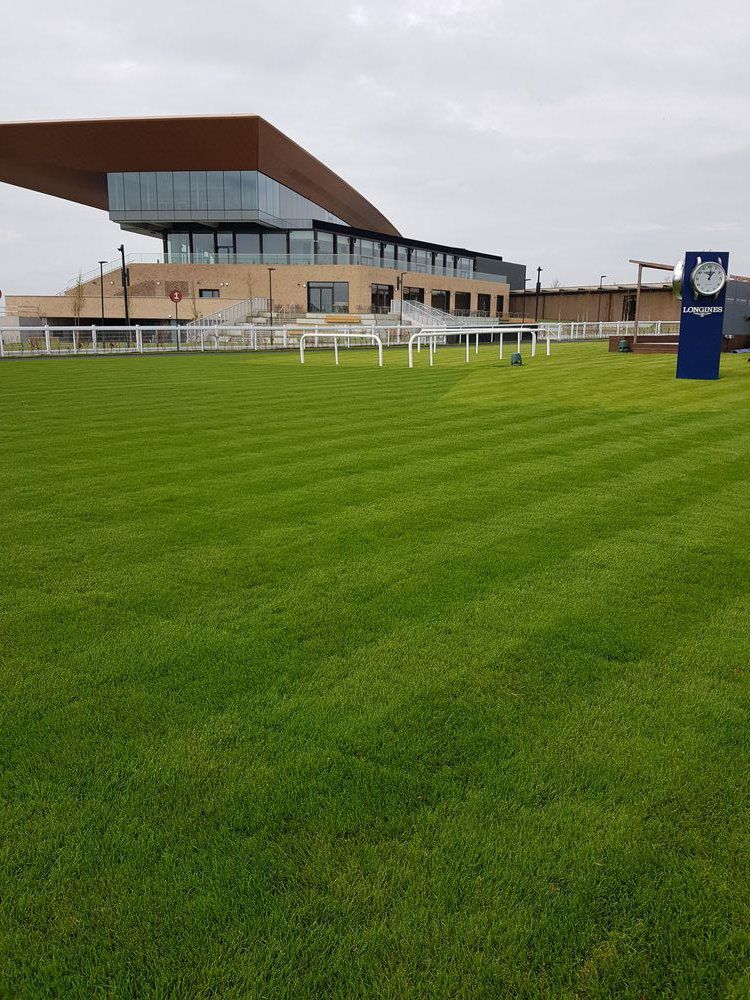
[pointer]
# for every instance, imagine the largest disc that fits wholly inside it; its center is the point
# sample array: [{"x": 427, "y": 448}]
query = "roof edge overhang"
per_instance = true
[{"x": 71, "y": 159}]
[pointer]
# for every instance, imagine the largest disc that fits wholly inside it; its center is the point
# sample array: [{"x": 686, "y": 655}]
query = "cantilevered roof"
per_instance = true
[{"x": 71, "y": 159}]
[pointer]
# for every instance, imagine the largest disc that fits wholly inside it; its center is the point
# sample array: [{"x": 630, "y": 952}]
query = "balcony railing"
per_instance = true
[{"x": 292, "y": 259}]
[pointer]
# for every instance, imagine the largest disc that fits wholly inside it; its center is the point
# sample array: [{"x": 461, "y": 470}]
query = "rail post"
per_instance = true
[
  {"x": 336, "y": 350},
  {"x": 47, "y": 342},
  {"x": 2, "y": 345},
  {"x": 93, "y": 339},
  {"x": 139, "y": 339}
]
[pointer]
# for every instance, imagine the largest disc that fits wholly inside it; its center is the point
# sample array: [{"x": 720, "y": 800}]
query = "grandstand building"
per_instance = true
[{"x": 248, "y": 224}]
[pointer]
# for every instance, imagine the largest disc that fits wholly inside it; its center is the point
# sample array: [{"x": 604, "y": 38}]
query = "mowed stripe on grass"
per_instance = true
[{"x": 382, "y": 683}]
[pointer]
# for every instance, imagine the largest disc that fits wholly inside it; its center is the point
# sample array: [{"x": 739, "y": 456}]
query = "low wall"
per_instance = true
[{"x": 668, "y": 345}]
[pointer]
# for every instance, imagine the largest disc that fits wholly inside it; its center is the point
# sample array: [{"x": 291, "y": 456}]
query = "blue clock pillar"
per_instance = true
[{"x": 701, "y": 321}]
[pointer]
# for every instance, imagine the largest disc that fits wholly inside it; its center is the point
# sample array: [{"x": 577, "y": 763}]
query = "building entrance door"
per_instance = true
[
  {"x": 320, "y": 298},
  {"x": 382, "y": 295}
]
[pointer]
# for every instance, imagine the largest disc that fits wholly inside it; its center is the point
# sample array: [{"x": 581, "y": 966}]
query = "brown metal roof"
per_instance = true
[{"x": 70, "y": 159}]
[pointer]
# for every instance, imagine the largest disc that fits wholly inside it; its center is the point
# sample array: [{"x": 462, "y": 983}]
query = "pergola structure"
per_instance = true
[{"x": 641, "y": 265}]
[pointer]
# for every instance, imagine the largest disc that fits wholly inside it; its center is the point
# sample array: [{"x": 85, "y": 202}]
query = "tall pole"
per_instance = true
[
  {"x": 101, "y": 283},
  {"x": 124, "y": 270},
  {"x": 538, "y": 292},
  {"x": 599, "y": 300},
  {"x": 637, "y": 317},
  {"x": 270, "y": 294},
  {"x": 401, "y": 277}
]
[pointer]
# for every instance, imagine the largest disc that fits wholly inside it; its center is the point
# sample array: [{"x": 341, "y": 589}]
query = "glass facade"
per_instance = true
[
  {"x": 216, "y": 195},
  {"x": 234, "y": 245}
]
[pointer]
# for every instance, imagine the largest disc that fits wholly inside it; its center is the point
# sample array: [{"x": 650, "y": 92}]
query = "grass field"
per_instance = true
[{"x": 375, "y": 683}]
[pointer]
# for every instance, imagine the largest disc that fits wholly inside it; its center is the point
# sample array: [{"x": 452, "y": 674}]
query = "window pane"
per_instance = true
[
  {"x": 215, "y": 187},
  {"x": 324, "y": 242},
  {"x": 164, "y": 192},
  {"x": 341, "y": 296},
  {"x": 248, "y": 243},
  {"x": 115, "y": 193},
  {"x": 178, "y": 247},
  {"x": 274, "y": 244},
  {"x": 198, "y": 191},
  {"x": 232, "y": 199},
  {"x": 249, "y": 181},
  {"x": 301, "y": 244},
  {"x": 181, "y": 181},
  {"x": 148, "y": 191},
  {"x": 132, "y": 186},
  {"x": 203, "y": 246}
]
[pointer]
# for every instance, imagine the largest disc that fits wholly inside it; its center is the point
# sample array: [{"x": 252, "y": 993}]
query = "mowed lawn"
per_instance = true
[{"x": 363, "y": 683}]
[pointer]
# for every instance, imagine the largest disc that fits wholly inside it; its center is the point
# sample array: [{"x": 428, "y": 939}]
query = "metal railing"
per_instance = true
[
  {"x": 63, "y": 341},
  {"x": 602, "y": 331}
]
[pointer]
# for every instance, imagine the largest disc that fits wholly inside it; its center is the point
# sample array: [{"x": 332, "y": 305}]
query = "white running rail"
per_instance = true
[
  {"x": 431, "y": 335},
  {"x": 335, "y": 336}
]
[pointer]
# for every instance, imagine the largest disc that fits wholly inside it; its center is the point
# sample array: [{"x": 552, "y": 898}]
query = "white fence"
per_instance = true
[
  {"x": 602, "y": 331},
  {"x": 28, "y": 341}
]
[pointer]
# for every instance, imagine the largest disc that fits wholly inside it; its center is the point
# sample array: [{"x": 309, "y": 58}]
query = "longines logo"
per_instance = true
[{"x": 702, "y": 310}]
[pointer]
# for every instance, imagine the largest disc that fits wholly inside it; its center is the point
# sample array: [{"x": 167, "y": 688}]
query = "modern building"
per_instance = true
[{"x": 245, "y": 218}]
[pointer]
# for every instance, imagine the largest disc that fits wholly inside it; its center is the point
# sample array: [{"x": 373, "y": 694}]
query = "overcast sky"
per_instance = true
[{"x": 567, "y": 135}]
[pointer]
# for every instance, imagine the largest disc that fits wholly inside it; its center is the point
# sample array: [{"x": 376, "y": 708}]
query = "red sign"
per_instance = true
[{"x": 176, "y": 295}]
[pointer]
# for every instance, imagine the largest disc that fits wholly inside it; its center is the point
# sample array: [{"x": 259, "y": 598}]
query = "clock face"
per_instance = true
[{"x": 708, "y": 278}]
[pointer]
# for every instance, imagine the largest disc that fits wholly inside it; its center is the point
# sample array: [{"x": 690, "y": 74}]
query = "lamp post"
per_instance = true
[
  {"x": 270, "y": 294},
  {"x": 599, "y": 302},
  {"x": 124, "y": 271},
  {"x": 401, "y": 277},
  {"x": 101, "y": 283},
  {"x": 538, "y": 292}
]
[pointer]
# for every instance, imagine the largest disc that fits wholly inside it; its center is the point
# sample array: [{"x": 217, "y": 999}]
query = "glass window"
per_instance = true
[
  {"x": 324, "y": 246},
  {"x": 225, "y": 245},
  {"x": 320, "y": 296},
  {"x": 421, "y": 260},
  {"x": 232, "y": 194},
  {"x": 164, "y": 192},
  {"x": 343, "y": 247},
  {"x": 462, "y": 303},
  {"x": 148, "y": 191},
  {"x": 370, "y": 251},
  {"x": 441, "y": 300},
  {"x": 464, "y": 266},
  {"x": 402, "y": 255},
  {"x": 215, "y": 189},
  {"x": 500, "y": 305},
  {"x": 198, "y": 191},
  {"x": 249, "y": 184},
  {"x": 438, "y": 260},
  {"x": 178, "y": 248},
  {"x": 381, "y": 297},
  {"x": 203, "y": 247},
  {"x": 132, "y": 187},
  {"x": 274, "y": 244},
  {"x": 301, "y": 245},
  {"x": 389, "y": 255},
  {"x": 115, "y": 193},
  {"x": 248, "y": 243},
  {"x": 341, "y": 296},
  {"x": 208, "y": 293},
  {"x": 181, "y": 181},
  {"x": 413, "y": 294},
  {"x": 483, "y": 304}
]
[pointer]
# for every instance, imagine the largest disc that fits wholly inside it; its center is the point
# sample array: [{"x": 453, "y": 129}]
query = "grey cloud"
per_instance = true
[{"x": 570, "y": 135}]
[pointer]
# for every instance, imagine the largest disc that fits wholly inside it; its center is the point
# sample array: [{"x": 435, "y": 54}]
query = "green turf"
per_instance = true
[{"x": 353, "y": 682}]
